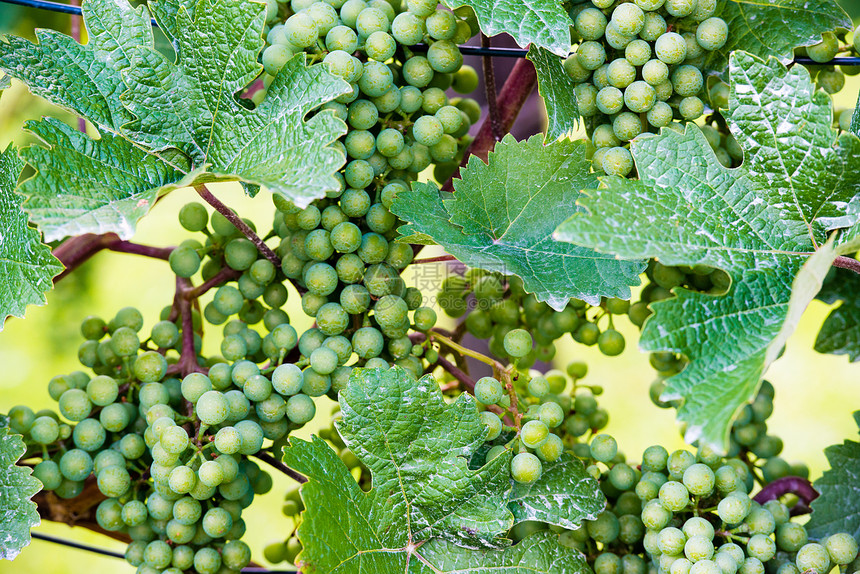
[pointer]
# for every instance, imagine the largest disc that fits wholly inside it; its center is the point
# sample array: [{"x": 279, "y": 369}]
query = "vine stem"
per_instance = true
[
  {"x": 490, "y": 88},
  {"x": 237, "y": 222},
  {"x": 187, "y": 363},
  {"x": 847, "y": 263},
  {"x": 275, "y": 463},
  {"x": 458, "y": 374},
  {"x": 513, "y": 95},
  {"x": 439, "y": 259},
  {"x": 75, "y": 251},
  {"x": 789, "y": 484}
]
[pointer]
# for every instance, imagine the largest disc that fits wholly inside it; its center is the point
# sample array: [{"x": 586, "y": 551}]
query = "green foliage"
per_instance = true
[
  {"x": 502, "y": 215},
  {"x": 26, "y": 264},
  {"x": 836, "y": 509},
  {"x": 556, "y": 88},
  {"x": 426, "y": 507},
  {"x": 17, "y": 512},
  {"x": 758, "y": 223},
  {"x": 775, "y": 28},
  {"x": 543, "y": 23},
  {"x": 166, "y": 124},
  {"x": 840, "y": 333}
]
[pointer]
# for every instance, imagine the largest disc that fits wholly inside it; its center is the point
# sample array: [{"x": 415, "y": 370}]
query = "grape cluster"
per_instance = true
[
  {"x": 638, "y": 68},
  {"x": 685, "y": 512},
  {"x": 400, "y": 119},
  {"x": 497, "y": 304},
  {"x": 170, "y": 455}
]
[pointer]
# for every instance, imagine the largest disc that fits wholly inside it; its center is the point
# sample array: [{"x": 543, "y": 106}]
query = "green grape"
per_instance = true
[
  {"x": 551, "y": 449},
  {"x": 637, "y": 52},
  {"x": 610, "y": 100},
  {"x": 377, "y": 78},
  {"x": 44, "y": 430},
  {"x": 518, "y": 343},
  {"x": 604, "y": 529},
  {"x": 591, "y": 55},
  {"x": 193, "y": 216},
  {"x": 444, "y": 57},
  {"x": 691, "y": 108},
  {"x": 300, "y": 30},
  {"x": 626, "y": 126},
  {"x": 628, "y": 19},
  {"x": 526, "y": 468},
  {"x": 488, "y": 390},
  {"x": 621, "y": 73},
  {"x": 616, "y": 161},
  {"x": 274, "y": 58},
  {"x": 825, "y": 50},
  {"x": 75, "y": 405},
  {"x": 672, "y": 541},
  {"x": 615, "y": 38},
  {"x": 687, "y": 80},
  {"x": 586, "y": 99},
  {"x": 590, "y": 24},
  {"x": 813, "y": 557},
  {"x": 493, "y": 424},
  {"x": 575, "y": 70},
  {"x": 603, "y": 448},
  {"x": 671, "y": 48},
  {"x": 417, "y": 71},
  {"x": 407, "y": 29},
  {"x": 465, "y": 80},
  {"x": 653, "y": 27},
  {"x": 300, "y": 409}
]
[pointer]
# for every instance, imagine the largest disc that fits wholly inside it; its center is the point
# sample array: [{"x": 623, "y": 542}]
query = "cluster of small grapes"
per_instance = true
[
  {"x": 400, "y": 119},
  {"x": 638, "y": 68},
  {"x": 830, "y": 78},
  {"x": 170, "y": 455},
  {"x": 552, "y": 420},
  {"x": 684, "y": 513},
  {"x": 497, "y": 304}
]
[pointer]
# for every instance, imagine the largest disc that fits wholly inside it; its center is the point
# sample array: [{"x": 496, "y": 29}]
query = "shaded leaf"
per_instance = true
[
  {"x": 564, "y": 495},
  {"x": 557, "y": 90},
  {"x": 17, "y": 486},
  {"x": 543, "y": 23},
  {"x": 502, "y": 216},
  {"x": 838, "y": 507},
  {"x": 774, "y": 27},
  {"x": 840, "y": 333},
  {"x": 758, "y": 222},
  {"x": 26, "y": 264}
]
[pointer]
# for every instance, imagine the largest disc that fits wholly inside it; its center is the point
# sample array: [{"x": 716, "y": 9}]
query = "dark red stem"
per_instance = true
[
  {"x": 187, "y": 363},
  {"x": 75, "y": 251},
  {"x": 789, "y": 485},
  {"x": 513, "y": 95},
  {"x": 455, "y": 371},
  {"x": 847, "y": 263},
  {"x": 237, "y": 222},
  {"x": 490, "y": 89},
  {"x": 226, "y": 274}
]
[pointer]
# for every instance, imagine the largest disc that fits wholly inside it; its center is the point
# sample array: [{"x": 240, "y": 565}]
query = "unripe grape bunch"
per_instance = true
[{"x": 640, "y": 67}]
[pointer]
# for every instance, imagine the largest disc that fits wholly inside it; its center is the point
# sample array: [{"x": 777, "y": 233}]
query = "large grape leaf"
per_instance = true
[
  {"x": 556, "y": 88},
  {"x": 26, "y": 264},
  {"x": 502, "y": 216},
  {"x": 345, "y": 530},
  {"x": 838, "y": 507},
  {"x": 418, "y": 446},
  {"x": 543, "y": 23},
  {"x": 167, "y": 124},
  {"x": 774, "y": 27},
  {"x": 17, "y": 486},
  {"x": 759, "y": 223},
  {"x": 427, "y": 510},
  {"x": 563, "y": 495},
  {"x": 840, "y": 333}
]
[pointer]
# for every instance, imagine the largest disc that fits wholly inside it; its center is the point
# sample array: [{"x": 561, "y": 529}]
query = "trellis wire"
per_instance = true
[
  {"x": 466, "y": 50},
  {"x": 112, "y": 554}
]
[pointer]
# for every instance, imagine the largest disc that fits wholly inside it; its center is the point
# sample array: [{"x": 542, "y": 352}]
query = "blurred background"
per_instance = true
[{"x": 815, "y": 394}]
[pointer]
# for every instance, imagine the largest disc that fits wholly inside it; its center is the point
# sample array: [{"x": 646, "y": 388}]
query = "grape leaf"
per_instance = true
[
  {"x": 427, "y": 511},
  {"x": 556, "y": 88},
  {"x": 417, "y": 445},
  {"x": 503, "y": 214},
  {"x": 564, "y": 495},
  {"x": 26, "y": 264},
  {"x": 774, "y": 28},
  {"x": 543, "y": 23},
  {"x": 167, "y": 124},
  {"x": 840, "y": 333},
  {"x": 344, "y": 529},
  {"x": 838, "y": 507},
  {"x": 758, "y": 222},
  {"x": 17, "y": 486}
]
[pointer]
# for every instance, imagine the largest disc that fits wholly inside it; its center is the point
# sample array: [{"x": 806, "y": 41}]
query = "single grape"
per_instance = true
[{"x": 526, "y": 468}]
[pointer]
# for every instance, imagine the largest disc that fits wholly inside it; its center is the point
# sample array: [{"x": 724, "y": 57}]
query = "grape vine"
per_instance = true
[{"x": 707, "y": 196}]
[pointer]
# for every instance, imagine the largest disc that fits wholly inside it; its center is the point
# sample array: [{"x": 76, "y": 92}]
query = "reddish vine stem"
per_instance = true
[
  {"x": 439, "y": 259},
  {"x": 490, "y": 89},
  {"x": 847, "y": 263},
  {"x": 75, "y": 251},
  {"x": 237, "y": 222},
  {"x": 464, "y": 379},
  {"x": 226, "y": 274},
  {"x": 275, "y": 463},
  {"x": 793, "y": 485},
  {"x": 187, "y": 363},
  {"x": 513, "y": 95}
]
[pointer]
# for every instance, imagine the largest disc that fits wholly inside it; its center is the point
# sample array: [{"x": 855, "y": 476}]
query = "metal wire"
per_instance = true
[
  {"x": 465, "y": 50},
  {"x": 112, "y": 554}
]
